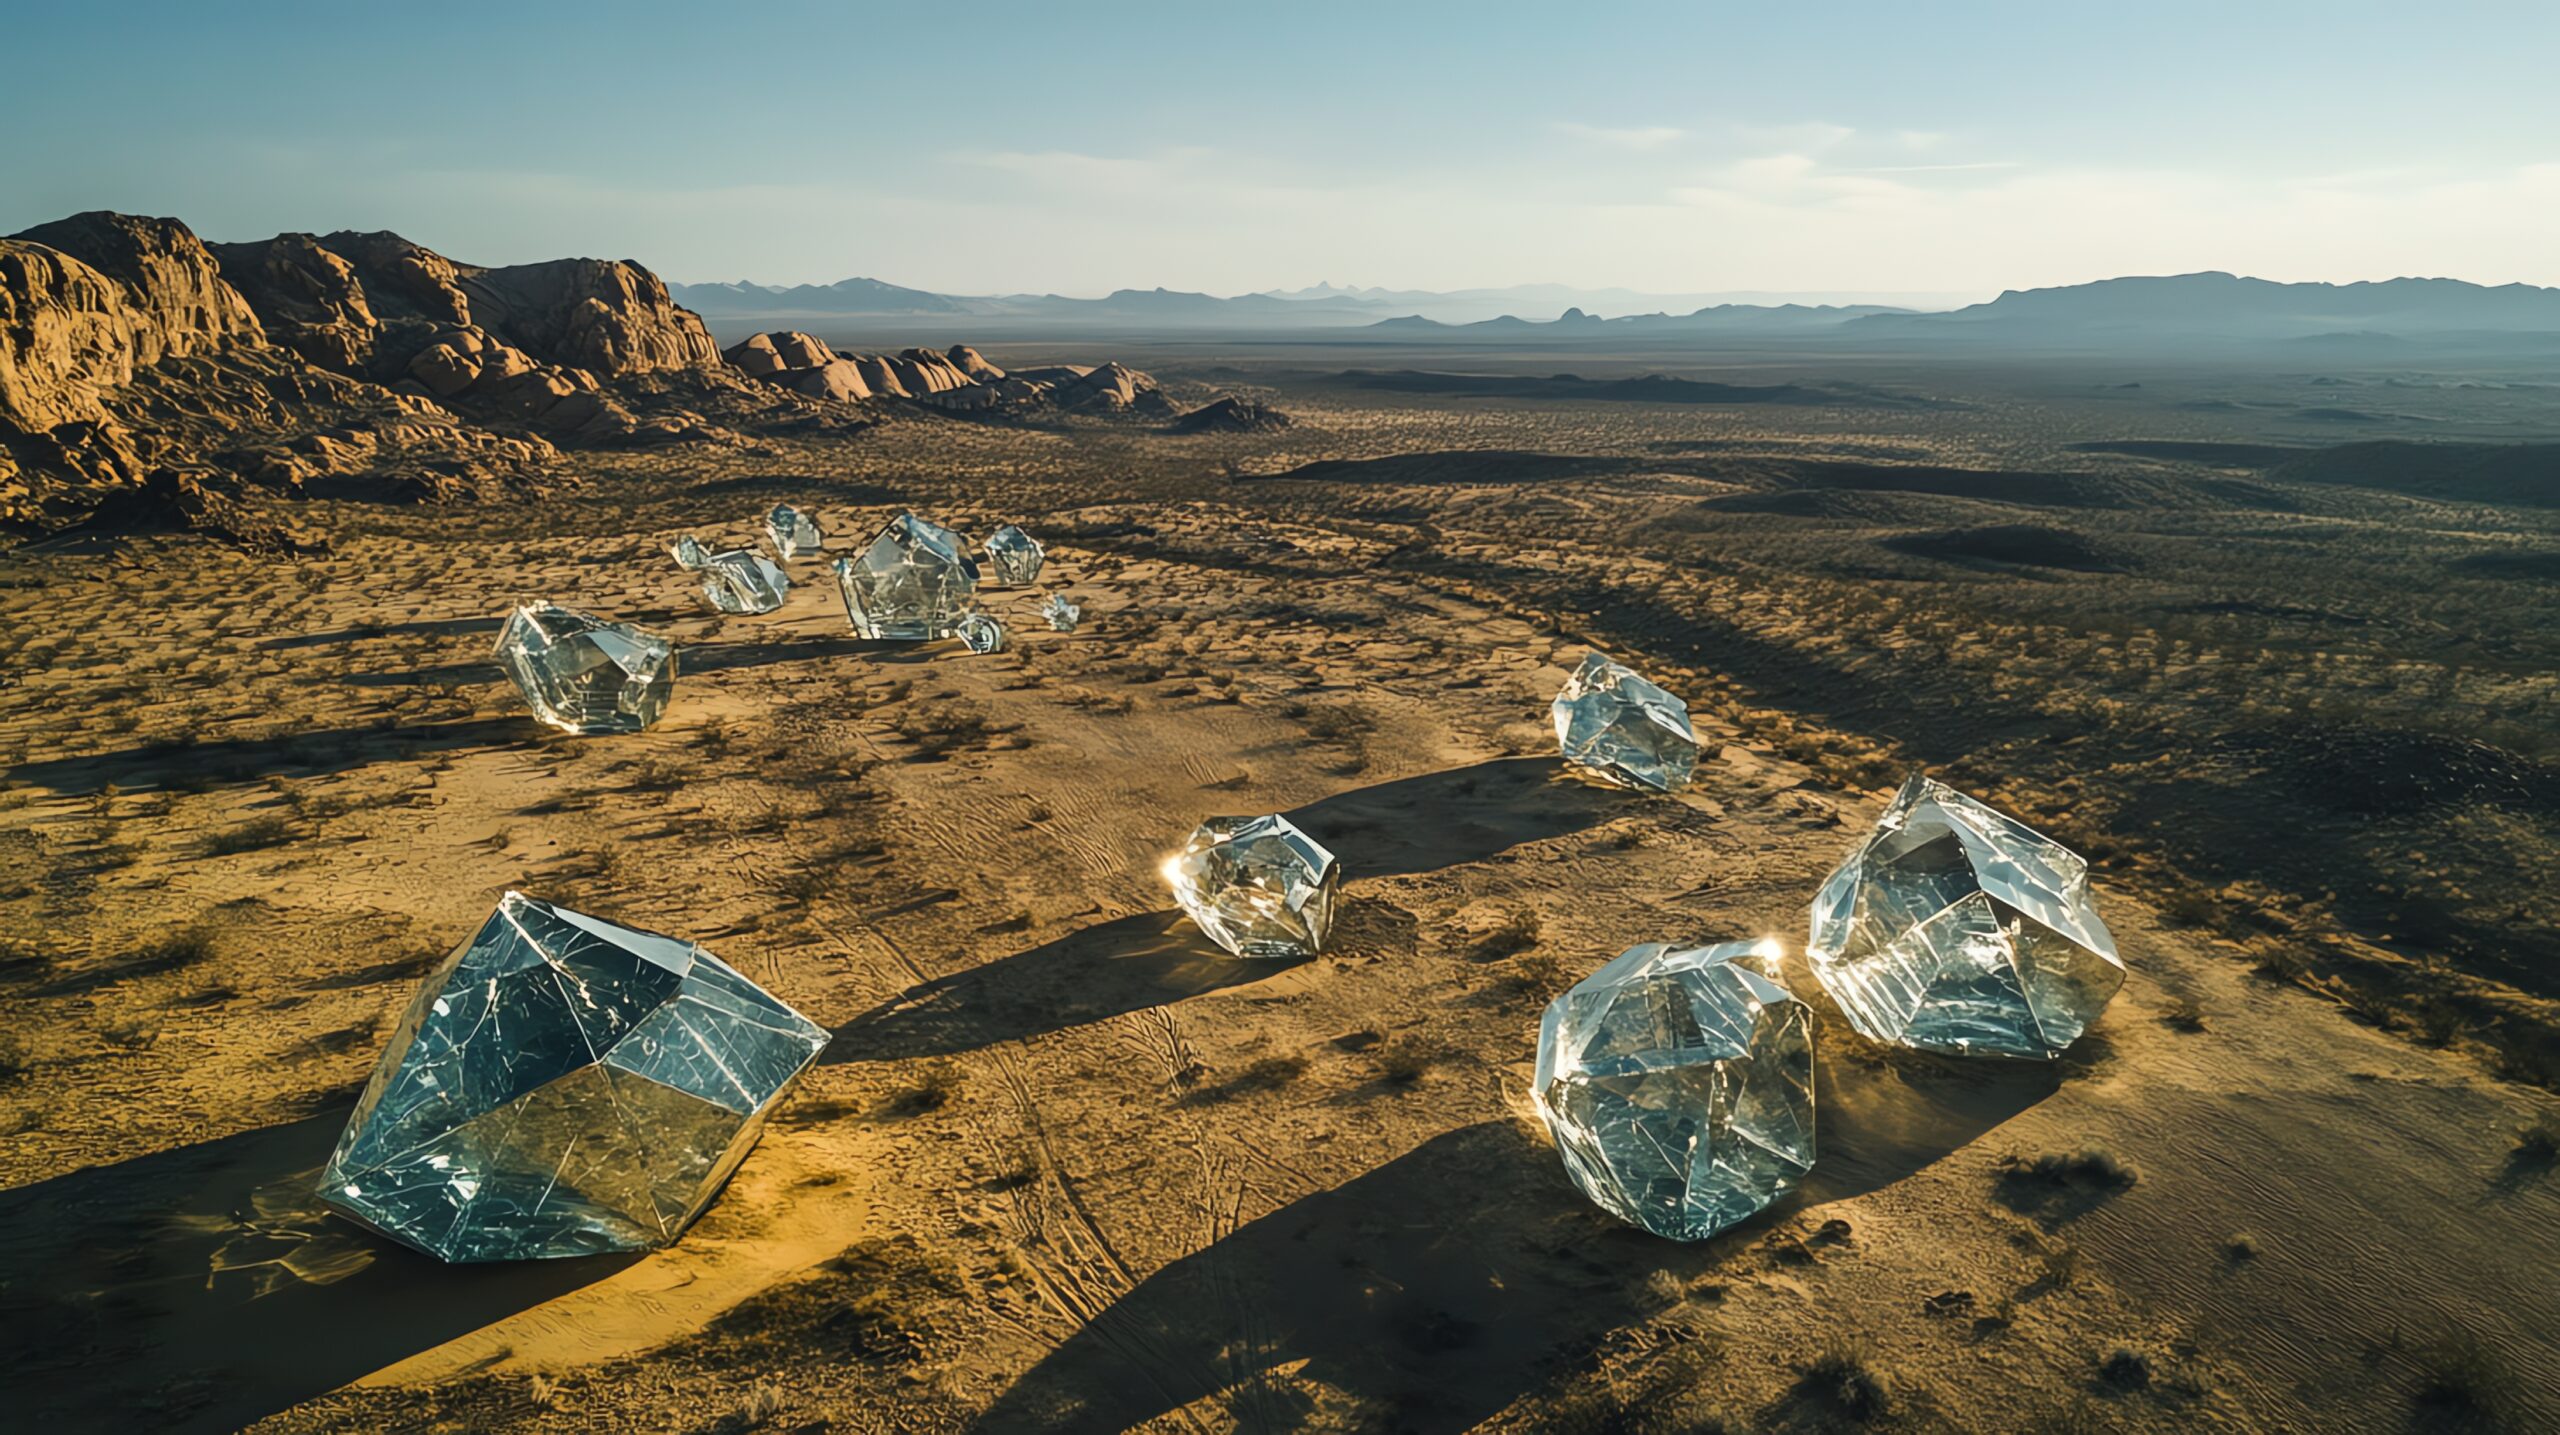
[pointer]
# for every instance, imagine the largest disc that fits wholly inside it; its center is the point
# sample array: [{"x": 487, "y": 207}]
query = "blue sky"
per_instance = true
[{"x": 1946, "y": 148}]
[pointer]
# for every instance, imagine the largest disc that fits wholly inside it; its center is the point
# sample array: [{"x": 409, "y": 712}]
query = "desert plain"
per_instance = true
[{"x": 2273, "y": 647}]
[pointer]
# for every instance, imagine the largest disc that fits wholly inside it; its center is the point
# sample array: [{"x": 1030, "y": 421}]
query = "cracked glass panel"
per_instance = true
[
  {"x": 794, "y": 533},
  {"x": 1257, "y": 885},
  {"x": 585, "y": 674},
  {"x": 743, "y": 581},
  {"x": 1015, "y": 556},
  {"x": 563, "y": 1086},
  {"x": 914, "y": 583},
  {"x": 1678, "y": 1084},
  {"x": 1955, "y": 928},
  {"x": 1622, "y": 729}
]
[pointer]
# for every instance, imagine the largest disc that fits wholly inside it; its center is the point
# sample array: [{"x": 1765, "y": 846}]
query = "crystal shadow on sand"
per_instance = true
[
  {"x": 203, "y": 1288},
  {"x": 1154, "y": 958},
  {"x": 240, "y": 762}
]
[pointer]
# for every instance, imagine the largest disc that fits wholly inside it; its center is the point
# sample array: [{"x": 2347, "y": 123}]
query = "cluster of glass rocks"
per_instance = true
[
  {"x": 564, "y": 1086},
  {"x": 918, "y": 581}
]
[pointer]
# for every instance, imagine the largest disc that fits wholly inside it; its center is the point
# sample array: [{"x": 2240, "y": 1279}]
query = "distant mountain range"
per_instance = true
[{"x": 2184, "y": 307}]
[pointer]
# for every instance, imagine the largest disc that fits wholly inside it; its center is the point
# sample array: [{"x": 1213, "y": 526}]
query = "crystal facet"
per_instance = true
[
  {"x": 1062, "y": 615},
  {"x": 1622, "y": 728},
  {"x": 562, "y": 1086},
  {"x": 1954, "y": 928},
  {"x": 1257, "y": 885},
  {"x": 689, "y": 552},
  {"x": 793, "y": 532},
  {"x": 915, "y": 582},
  {"x": 584, "y": 674},
  {"x": 743, "y": 581},
  {"x": 1678, "y": 1084},
  {"x": 1016, "y": 556},
  {"x": 983, "y": 634}
]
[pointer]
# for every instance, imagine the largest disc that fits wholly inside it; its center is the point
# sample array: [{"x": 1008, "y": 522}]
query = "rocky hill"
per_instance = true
[{"x": 957, "y": 380}]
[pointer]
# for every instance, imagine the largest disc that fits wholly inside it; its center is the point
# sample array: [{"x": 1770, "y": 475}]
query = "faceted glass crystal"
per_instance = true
[
  {"x": 1678, "y": 1084},
  {"x": 563, "y": 1086},
  {"x": 1954, "y": 928},
  {"x": 914, "y": 583},
  {"x": 793, "y": 532},
  {"x": 983, "y": 634},
  {"x": 584, "y": 674},
  {"x": 1016, "y": 556},
  {"x": 1062, "y": 615},
  {"x": 1617, "y": 726},
  {"x": 743, "y": 581},
  {"x": 1257, "y": 885},
  {"x": 689, "y": 552}
]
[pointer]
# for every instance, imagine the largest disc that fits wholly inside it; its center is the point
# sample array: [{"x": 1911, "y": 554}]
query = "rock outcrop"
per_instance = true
[
  {"x": 1231, "y": 415},
  {"x": 131, "y": 353},
  {"x": 960, "y": 379}
]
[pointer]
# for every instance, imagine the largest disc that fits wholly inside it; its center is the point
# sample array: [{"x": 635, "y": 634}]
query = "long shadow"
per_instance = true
[
  {"x": 1878, "y": 1121},
  {"x": 202, "y": 1289},
  {"x": 440, "y": 627},
  {"x": 715, "y": 657},
  {"x": 1125, "y": 965},
  {"x": 1465, "y": 814},
  {"x": 477, "y": 674},
  {"x": 1435, "y": 1289},
  {"x": 234, "y": 761}
]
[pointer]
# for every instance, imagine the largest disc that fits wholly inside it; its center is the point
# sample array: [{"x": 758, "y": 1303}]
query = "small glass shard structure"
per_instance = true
[
  {"x": 1954, "y": 928},
  {"x": 1016, "y": 556},
  {"x": 1678, "y": 1084},
  {"x": 1062, "y": 615},
  {"x": 584, "y": 674},
  {"x": 689, "y": 552},
  {"x": 1615, "y": 725},
  {"x": 563, "y": 1086},
  {"x": 982, "y": 633},
  {"x": 743, "y": 581},
  {"x": 793, "y": 533},
  {"x": 1257, "y": 885},
  {"x": 914, "y": 583}
]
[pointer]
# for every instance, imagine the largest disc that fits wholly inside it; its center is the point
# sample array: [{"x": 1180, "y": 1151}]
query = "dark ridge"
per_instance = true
[
  {"x": 2529, "y": 565},
  {"x": 1650, "y": 389},
  {"x": 2025, "y": 544},
  {"x": 2518, "y": 475},
  {"x": 1492, "y": 465},
  {"x": 2211, "y": 455}
]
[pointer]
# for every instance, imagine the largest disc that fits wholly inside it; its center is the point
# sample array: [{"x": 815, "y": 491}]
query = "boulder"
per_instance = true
[
  {"x": 611, "y": 316},
  {"x": 1231, "y": 415},
  {"x": 170, "y": 282},
  {"x": 969, "y": 361}
]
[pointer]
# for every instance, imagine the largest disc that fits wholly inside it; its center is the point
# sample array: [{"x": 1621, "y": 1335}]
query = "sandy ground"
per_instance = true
[{"x": 1066, "y": 1166}]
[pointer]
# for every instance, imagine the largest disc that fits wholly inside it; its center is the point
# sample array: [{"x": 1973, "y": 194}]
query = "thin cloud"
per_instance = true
[{"x": 1648, "y": 137}]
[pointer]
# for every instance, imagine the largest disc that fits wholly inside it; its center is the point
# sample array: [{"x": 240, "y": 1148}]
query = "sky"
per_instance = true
[{"x": 1847, "y": 149}]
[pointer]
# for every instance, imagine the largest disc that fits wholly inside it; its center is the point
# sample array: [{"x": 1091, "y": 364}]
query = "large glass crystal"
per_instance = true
[
  {"x": 585, "y": 674},
  {"x": 1617, "y": 726},
  {"x": 1016, "y": 556},
  {"x": 915, "y": 582},
  {"x": 1257, "y": 885},
  {"x": 563, "y": 1086},
  {"x": 982, "y": 633},
  {"x": 793, "y": 532},
  {"x": 743, "y": 581},
  {"x": 1062, "y": 615},
  {"x": 1954, "y": 928},
  {"x": 1678, "y": 1084}
]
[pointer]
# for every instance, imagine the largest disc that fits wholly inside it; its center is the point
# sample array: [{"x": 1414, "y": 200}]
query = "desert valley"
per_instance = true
[{"x": 2268, "y": 631}]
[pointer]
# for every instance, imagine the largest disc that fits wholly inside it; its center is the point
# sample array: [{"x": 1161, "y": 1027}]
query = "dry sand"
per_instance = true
[{"x": 1066, "y": 1166}]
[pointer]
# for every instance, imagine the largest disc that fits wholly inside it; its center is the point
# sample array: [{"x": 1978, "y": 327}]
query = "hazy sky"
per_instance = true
[{"x": 997, "y": 147}]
